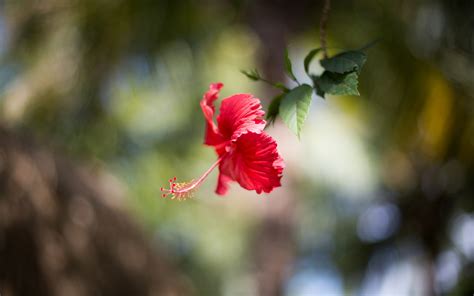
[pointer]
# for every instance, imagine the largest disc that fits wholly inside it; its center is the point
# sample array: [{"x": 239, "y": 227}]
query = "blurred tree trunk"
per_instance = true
[
  {"x": 275, "y": 245},
  {"x": 274, "y": 242},
  {"x": 63, "y": 232}
]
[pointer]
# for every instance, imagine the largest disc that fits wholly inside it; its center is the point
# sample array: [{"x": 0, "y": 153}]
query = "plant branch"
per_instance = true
[
  {"x": 275, "y": 84},
  {"x": 322, "y": 26}
]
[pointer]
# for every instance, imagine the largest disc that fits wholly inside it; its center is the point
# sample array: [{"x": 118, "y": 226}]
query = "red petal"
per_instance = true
[
  {"x": 222, "y": 186},
  {"x": 240, "y": 114},
  {"x": 212, "y": 136},
  {"x": 254, "y": 162}
]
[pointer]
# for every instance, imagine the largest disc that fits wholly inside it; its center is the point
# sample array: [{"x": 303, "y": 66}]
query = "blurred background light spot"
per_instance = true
[
  {"x": 448, "y": 266},
  {"x": 428, "y": 29},
  {"x": 151, "y": 103},
  {"x": 436, "y": 119},
  {"x": 463, "y": 234},
  {"x": 315, "y": 282},
  {"x": 398, "y": 172},
  {"x": 406, "y": 277},
  {"x": 378, "y": 264},
  {"x": 335, "y": 154},
  {"x": 396, "y": 271},
  {"x": 378, "y": 222}
]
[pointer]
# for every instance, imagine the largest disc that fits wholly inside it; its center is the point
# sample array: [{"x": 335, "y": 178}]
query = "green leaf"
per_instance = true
[
  {"x": 251, "y": 74},
  {"x": 309, "y": 57},
  {"x": 288, "y": 67},
  {"x": 294, "y": 107},
  {"x": 337, "y": 84},
  {"x": 317, "y": 87},
  {"x": 273, "y": 109},
  {"x": 345, "y": 62}
]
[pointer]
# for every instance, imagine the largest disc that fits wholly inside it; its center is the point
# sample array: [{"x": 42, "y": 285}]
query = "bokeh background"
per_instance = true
[{"x": 377, "y": 196}]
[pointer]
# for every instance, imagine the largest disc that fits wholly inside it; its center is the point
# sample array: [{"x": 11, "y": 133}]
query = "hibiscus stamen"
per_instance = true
[{"x": 184, "y": 190}]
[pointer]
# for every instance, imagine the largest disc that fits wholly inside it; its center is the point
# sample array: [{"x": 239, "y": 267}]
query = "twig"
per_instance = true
[{"x": 322, "y": 26}]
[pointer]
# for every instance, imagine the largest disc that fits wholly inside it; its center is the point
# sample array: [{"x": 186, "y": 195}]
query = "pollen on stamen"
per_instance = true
[{"x": 179, "y": 191}]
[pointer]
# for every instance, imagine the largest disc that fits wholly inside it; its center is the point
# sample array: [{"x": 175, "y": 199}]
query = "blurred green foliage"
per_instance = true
[{"x": 378, "y": 191}]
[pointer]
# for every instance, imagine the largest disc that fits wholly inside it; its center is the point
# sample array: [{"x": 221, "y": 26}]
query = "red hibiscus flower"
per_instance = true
[{"x": 246, "y": 154}]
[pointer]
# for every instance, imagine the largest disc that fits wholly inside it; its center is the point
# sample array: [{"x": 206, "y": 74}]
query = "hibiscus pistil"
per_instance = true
[{"x": 184, "y": 190}]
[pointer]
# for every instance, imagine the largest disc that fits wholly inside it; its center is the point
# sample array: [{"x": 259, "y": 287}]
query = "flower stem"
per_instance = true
[
  {"x": 204, "y": 176},
  {"x": 322, "y": 26}
]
